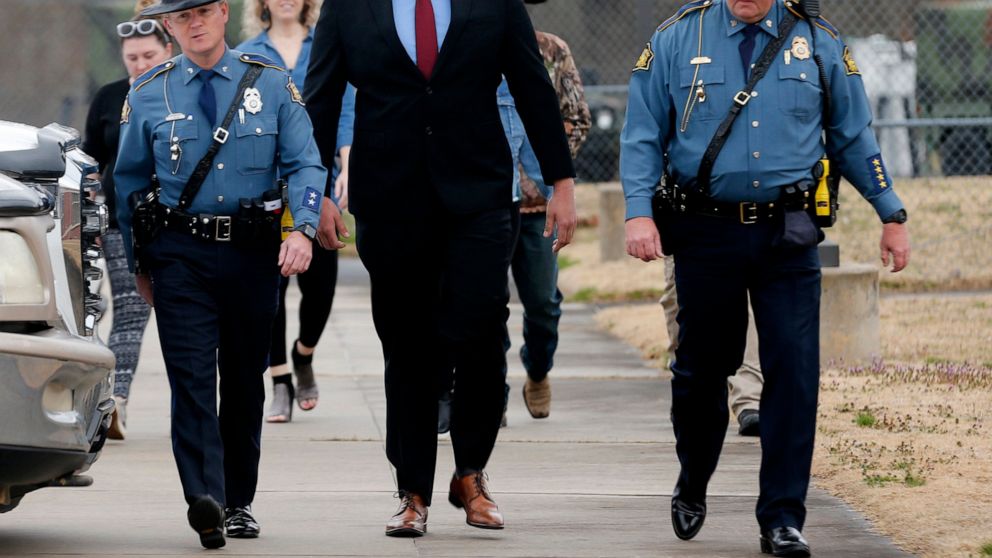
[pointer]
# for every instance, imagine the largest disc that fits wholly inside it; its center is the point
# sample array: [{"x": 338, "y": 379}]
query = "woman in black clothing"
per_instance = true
[{"x": 144, "y": 45}]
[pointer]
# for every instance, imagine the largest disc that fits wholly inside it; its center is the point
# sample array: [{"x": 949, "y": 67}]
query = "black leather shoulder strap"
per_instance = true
[
  {"x": 220, "y": 138},
  {"x": 741, "y": 100}
]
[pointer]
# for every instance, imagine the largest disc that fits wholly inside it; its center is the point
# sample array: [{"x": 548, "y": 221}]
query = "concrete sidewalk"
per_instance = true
[{"x": 593, "y": 480}]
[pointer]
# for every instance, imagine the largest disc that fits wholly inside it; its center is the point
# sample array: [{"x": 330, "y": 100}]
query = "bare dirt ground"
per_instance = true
[{"x": 906, "y": 440}]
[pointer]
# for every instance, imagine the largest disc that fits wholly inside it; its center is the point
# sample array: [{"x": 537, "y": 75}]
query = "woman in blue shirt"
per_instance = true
[{"x": 286, "y": 39}]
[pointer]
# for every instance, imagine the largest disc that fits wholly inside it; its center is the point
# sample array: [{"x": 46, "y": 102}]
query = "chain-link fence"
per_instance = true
[{"x": 927, "y": 66}]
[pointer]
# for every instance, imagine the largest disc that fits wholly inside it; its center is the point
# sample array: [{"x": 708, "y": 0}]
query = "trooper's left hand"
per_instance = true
[
  {"x": 295, "y": 254},
  {"x": 895, "y": 241},
  {"x": 561, "y": 213}
]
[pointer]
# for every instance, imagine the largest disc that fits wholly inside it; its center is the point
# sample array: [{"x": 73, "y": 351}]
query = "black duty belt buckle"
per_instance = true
[
  {"x": 222, "y": 228},
  {"x": 749, "y": 213}
]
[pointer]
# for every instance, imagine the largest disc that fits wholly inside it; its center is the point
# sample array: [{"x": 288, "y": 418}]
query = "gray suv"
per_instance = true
[{"x": 55, "y": 374}]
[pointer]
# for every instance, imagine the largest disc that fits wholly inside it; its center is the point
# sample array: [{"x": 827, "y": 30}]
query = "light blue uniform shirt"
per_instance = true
[
  {"x": 262, "y": 44},
  {"x": 277, "y": 140},
  {"x": 776, "y": 139},
  {"x": 404, "y": 16}
]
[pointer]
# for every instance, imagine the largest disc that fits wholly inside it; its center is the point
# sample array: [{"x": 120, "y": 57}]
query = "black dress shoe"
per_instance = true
[
  {"x": 750, "y": 423},
  {"x": 687, "y": 517},
  {"x": 206, "y": 517},
  {"x": 784, "y": 541}
]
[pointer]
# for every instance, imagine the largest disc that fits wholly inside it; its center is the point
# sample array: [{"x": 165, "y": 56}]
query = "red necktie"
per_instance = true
[{"x": 426, "y": 37}]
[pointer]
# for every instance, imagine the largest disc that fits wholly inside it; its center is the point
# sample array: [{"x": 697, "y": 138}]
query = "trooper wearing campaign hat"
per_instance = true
[{"x": 216, "y": 127}]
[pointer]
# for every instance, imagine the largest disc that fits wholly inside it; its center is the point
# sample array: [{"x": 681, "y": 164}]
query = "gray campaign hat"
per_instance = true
[{"x": 170, "y": 6}]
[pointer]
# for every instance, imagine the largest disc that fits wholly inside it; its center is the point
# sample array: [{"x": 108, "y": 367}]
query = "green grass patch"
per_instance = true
[
  {"x": 914, "y": 481},
  {"x": 865, "y": 419},
  {"x": 937, "y": 360},
  {"x": 986, "y": 549},
  {"x": 587, "y": 294},
  {"x": 877, "y": 481},
  {"x": 565, "y": 262}
]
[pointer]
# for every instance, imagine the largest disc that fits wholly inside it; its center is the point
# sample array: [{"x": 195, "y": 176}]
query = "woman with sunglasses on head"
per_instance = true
[
  {"x": 286, "y": 38},
  {"x": 144, "y": 45}
]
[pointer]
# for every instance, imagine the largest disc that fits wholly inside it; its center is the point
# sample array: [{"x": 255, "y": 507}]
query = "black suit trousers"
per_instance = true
[{"x": 439, "y": 303}]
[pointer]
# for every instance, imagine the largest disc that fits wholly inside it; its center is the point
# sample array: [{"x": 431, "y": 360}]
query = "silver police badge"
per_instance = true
[
  {"x": 253, "y": 100},
  {"x": 800, "y": 48}
]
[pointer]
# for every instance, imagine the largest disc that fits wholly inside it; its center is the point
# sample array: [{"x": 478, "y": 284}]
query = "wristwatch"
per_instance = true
[
  {"x": 898, "y": 217},
  {"x": 307, "y": 230}
]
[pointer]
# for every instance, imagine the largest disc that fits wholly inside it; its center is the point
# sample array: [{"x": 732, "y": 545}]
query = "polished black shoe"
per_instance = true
[
  {"x": 687, "y": 517},
  {"x": 206, "y": 517},
  {"x": 784, "y": 541},
  {"x": 750, "y": 423},
  {"x": 241, "y": 524}
]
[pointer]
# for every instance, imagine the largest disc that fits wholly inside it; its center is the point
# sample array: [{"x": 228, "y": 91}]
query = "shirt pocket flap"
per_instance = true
[
  {"x": 258, "y": 126},
  {"x": 799, "y": 72},
  {"x": 708, "y": 74}
]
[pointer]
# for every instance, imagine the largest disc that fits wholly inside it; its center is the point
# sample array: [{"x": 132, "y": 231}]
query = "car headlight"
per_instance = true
[
  {"x": 605, "y": 119},
  {"x": 20, "y": 279}
]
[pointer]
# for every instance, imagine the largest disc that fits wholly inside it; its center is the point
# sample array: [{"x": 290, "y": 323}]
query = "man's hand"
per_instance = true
[
  {"x": 331, "y": 227},
  {"x": 561, "y": 214},
  {"x": 144, "y": 283},
  {"x": 295, "y": 254},
  {"x": 643, "y": 240},
  {"x": 895, "y": 241}
]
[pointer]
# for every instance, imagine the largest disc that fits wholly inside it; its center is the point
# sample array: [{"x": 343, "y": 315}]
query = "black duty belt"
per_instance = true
[
  {"x": 747, "y": 213},
  {"x": 218, "y": 228}
]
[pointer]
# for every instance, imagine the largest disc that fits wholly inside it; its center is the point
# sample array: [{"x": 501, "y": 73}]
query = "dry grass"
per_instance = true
[
  {"x": 907, "y": 442},
  {"x": 950, "y": 224}
]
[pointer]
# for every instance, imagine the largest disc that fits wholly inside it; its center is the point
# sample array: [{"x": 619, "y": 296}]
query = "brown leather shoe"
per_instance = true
[
  {"x": 410, "y": 520},
  {"x": 470, "y": 492},
  {"x": 537, "y": 398}
]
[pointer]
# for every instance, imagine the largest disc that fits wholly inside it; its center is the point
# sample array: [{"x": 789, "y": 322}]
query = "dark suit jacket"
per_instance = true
[{"x": 414, "y": 134}]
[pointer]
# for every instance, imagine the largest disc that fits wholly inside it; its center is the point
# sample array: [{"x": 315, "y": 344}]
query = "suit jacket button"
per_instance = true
[
  {"x": 429, "y": 91},
  {"x": 429, "y": 131}
]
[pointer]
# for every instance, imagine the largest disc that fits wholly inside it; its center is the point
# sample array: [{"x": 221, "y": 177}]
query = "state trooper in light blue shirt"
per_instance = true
[
  {"x": 212, "y": 269},
  {"x": 745, "y": 236}
]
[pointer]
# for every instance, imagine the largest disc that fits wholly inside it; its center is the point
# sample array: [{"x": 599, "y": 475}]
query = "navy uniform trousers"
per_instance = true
[
  {"x": 214, "y": 304},
  {"x": 718, "y": 262}
]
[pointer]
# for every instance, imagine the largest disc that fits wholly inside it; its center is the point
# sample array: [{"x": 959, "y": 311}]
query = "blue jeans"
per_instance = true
[{"x": 535, "y": 272}]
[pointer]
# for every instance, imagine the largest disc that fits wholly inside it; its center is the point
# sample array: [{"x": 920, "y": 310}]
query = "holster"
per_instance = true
[
  {"x": 146, "y": 223},
  {"x": 663, "y": 212}
]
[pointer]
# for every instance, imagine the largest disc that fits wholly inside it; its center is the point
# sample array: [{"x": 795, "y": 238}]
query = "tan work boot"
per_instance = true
[{"x": 537, "y": 398}]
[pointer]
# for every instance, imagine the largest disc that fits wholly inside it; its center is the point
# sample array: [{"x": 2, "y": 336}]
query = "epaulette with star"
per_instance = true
[
  {"x": 260, "y": 60},
  {"x": 147, "y": 77}
]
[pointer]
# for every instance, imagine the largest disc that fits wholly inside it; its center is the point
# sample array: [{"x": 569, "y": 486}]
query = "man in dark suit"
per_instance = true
[{"x": 430, "y": 189}]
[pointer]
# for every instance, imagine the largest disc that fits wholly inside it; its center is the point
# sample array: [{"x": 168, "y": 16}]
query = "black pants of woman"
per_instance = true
[{"x": 317, "y": 285}]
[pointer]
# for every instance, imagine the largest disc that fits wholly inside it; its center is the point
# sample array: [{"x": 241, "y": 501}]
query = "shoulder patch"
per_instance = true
[
  {"x": 644, "y": 62},
  {"x": 145, "y": 78},
  {"x": 260, "y": 60},
  {"x": 685, "y": 10},
  {"x": 849, "y": 64},
  {"x": 126, "y": 110},
  {"x": 294, "y": 93}
]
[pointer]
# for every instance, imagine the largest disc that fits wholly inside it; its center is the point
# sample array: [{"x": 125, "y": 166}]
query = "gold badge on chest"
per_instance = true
[{"x": 800, "y": 48}]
